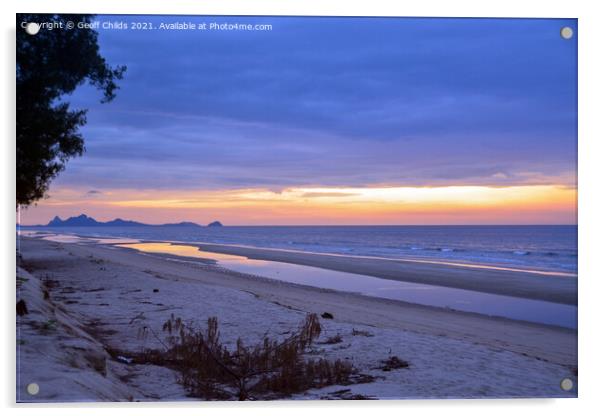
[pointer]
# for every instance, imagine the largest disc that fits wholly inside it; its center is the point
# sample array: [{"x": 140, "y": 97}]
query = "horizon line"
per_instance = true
[
  {"x": 344, "y": 225},
  {"x": 576, "y": 223}
]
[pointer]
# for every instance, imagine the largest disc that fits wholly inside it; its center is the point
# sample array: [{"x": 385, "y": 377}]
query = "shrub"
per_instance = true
[
  {"x": 271, "y": 368},
  {"x": 22, "y": 308}
]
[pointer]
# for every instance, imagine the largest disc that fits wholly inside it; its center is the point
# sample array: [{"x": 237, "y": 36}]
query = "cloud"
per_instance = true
[
  {"x": 326, "y": 194},
  {"x": 93, "y": 192},
  {"x": 334, "y": 102}
]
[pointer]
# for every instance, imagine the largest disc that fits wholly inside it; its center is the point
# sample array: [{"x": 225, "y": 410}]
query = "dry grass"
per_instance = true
[
  {"x": 393, "y": 363},
  {"x": 268, "y": 369}
]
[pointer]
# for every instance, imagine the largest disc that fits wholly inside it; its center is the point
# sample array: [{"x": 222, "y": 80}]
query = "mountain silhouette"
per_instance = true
[{"x": 84, "y": 221}]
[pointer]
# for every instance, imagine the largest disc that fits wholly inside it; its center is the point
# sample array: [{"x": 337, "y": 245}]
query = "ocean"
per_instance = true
[{"x": 539, "y": 247}]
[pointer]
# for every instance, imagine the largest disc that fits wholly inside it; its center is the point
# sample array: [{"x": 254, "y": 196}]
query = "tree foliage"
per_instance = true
[{"x": 51, "y": 65}]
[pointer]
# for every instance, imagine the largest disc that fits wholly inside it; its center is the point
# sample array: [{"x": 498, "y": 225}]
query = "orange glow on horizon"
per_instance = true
[{"x": 530, "y": 204}]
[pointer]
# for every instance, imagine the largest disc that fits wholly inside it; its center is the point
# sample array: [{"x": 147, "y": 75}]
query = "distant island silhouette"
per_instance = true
[{"x": 85, "y": 221}]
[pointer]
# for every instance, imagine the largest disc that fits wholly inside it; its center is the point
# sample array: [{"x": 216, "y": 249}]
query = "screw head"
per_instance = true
[
  {"x": 566, "y": 32},
  {"x": 566, "y": 384},
  {"x": 32, "y": 28},
  {"x": 33, "y": 389}
]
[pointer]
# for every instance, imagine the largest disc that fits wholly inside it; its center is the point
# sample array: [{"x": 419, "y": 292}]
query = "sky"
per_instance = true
[{"x": 330, "y": 121}]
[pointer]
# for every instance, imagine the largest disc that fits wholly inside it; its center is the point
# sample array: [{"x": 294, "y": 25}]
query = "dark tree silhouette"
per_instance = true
[{"x": 50, "y": 65}]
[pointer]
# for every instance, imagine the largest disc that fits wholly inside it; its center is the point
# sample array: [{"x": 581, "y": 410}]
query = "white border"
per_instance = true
[
  {"x": 590, "y": 189},
  {"x": 460, "y": 8}
]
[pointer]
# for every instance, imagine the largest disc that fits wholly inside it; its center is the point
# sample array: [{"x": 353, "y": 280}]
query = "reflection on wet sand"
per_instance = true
[{"x": 439, "y": 296}]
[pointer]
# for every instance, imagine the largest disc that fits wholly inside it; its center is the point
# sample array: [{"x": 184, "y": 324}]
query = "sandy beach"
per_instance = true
[{"x": 100, "y": 296}]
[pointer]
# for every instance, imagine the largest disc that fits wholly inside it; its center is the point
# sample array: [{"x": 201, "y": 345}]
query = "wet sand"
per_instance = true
[{"x": 559, "y": 289}]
